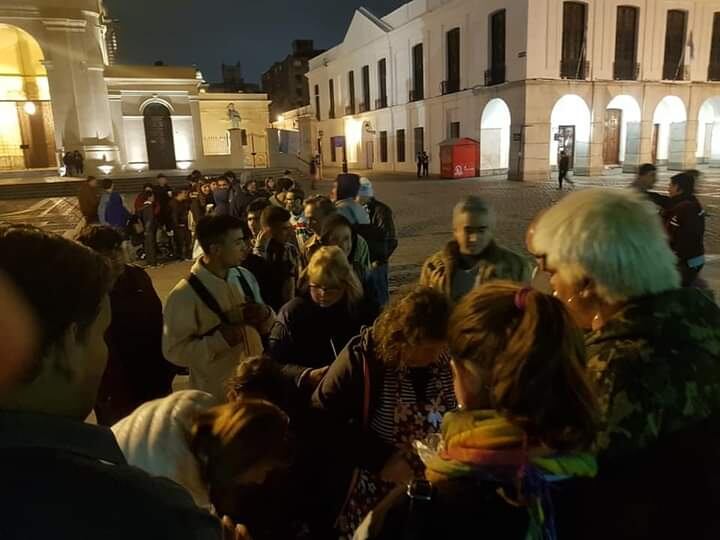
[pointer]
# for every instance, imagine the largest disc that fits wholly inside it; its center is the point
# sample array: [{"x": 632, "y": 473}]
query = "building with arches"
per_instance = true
[
  {"x": 61, "y": 92},
  {"x": 614, "y": 83}
]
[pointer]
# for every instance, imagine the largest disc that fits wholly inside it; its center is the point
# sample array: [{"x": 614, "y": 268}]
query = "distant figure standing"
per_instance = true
[
  {"x": 563, "y": 168},
  {"x": 111, "y": 210},
  {"x": 425, "y": 164},
  {"x": 89, "y": 199},
  {"x": 79, "y": 163},
  {"x": 419, "y": 162},
  {"x": 68, "y": 161}
]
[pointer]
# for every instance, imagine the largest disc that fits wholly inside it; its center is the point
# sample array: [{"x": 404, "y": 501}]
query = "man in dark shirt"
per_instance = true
[
  {"x": 62, "y": 478},
  {"x": 179, "y": 215}
]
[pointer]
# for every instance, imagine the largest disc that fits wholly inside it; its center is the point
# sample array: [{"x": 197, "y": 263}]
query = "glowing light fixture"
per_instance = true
[
  {"x": 30, "y": 108},
  {"x": 105, "y": 169},
  {"x": 184, "y": 165},
  {"x": 280, "y": 118}
]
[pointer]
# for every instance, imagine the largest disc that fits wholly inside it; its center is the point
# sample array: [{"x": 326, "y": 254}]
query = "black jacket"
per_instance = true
[
  {"x": 685, "y": 224},
  {"x": 381, "y": 217},
  {"x": 309, "y": 336}
]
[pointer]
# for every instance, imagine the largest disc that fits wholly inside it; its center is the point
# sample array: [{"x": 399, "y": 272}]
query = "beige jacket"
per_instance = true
[
  {"x": 497, "y": 263},
  {"x": 191, "y": 335}
]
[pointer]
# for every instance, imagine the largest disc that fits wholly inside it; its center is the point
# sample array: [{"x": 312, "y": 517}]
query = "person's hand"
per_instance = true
[
  {"x": 262, "y": 240},
  {"x": 254, "y": 314},
  {"x": 315, "y": 376},
  {"x": 397, "y": 470},
  {"x": 233, "y": 531}
]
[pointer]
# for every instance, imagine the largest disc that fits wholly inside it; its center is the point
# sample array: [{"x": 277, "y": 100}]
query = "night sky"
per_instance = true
[{"x": 209, "y": 32}]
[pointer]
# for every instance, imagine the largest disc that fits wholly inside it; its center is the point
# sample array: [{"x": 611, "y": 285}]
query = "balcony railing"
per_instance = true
[
  {"x": 676, "y": 73},
  {"x": 349, "y": 110},
  {"x": 331, "y": 114},
  {"x": 714, "y": 72},
  {"x": 381, "y": 103},
  {"x": 362, "y": 107},
  {"x": 450, "y": 86},
  {"x": 495, "y": 75},
  {"x": 416, "y": 95},
  {"x": 574, "y": 69},
  {"x": 626, "y": 71}
]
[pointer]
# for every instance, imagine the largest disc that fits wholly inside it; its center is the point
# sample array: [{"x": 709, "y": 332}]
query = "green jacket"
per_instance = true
[{"x": 657, "y": 366}]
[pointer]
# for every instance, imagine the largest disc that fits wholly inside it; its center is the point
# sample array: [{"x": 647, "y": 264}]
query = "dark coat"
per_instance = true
[
  {"x": 381, "y": 217},
  {"x": 685, "y": 224},
  {"x": 116, "y": 214},
  {"x": 179, "y": 211},
  {"x": 137, "y": 370},
  {"x": 88, "y": 199},
  {"x": 309, "y": 336},
  {"x": 239, "y": 201}
]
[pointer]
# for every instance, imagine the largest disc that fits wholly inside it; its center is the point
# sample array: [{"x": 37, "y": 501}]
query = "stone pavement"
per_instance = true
[{"x": 423, "y": 210}]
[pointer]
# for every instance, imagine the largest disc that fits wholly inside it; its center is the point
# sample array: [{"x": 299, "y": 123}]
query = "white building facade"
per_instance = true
[
  {"x": 614, "y": 83},
  {"x": 59, "y": 93}
]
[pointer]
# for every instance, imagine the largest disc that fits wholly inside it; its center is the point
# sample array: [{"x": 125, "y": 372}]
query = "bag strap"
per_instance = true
[
  {"x": 246, "y": 288},
  {"x": 207, "y": 297}
]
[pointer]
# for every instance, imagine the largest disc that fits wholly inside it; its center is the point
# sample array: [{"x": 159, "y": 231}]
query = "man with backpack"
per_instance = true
[{"x": 216, "y": 318}]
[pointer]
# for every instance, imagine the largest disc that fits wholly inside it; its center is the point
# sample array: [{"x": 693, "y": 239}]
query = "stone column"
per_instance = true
[
  {"x": 237, "y": 152},
  {"x": 596, "y": 162}
]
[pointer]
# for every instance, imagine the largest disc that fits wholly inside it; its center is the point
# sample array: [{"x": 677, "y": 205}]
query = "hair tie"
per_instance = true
[{"x": 521, "y": 298}]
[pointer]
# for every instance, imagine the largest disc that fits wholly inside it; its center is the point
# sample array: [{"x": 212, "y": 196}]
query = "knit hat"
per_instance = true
[
  {"x": 366, "y": 188},
  {"x": 348, "y": 186}
]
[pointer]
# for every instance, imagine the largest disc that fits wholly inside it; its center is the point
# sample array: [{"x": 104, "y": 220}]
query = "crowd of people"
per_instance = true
[
  {"x": 573, "y": 393},
  {"x": 74, "y": 163}
]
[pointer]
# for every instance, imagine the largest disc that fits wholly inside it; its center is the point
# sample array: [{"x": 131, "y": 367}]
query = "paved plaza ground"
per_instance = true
[{"x": 423, "y": 210}]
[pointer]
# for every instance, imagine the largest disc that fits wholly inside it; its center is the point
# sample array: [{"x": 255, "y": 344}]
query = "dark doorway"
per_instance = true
[
  {"x": 418, "y": 83},
  {"x": 159, "y": 137},
  {"x": 714, "y": 67},
  {"x": 674, "y": 69},
  {"x": 654, "y": 143},
  {"x": 626, "y": 68},
  {"x": 572, "y": 65},
  {"x": 611, "y": 147},
  {"x": 496, "y": 73},
  {"x": 566, "y": 143}
]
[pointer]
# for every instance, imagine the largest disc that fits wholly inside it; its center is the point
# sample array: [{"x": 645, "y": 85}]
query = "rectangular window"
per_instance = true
[
  {"x": 331, "y": 87},
  {"x": 452, "y": 84},
  {"x": 626, "y": 41},
  {"x": 496, "y": 73},
  {"x": 400, "y": 140},
  {"x": 351, "y": 93},
  {"x": 243, "y": 137},
  {"x": 455, "y": 130},
  {"x": 365, "y": 105},
  {"x": 574, "y": 42},
  {"x": 419, "y": 140},
  {"x": 418, "y": 83},
  {"x": 674, "y": 68},
  {"x": 317, "y": 102},
  {"x": 714, "y": 69},
  {"x": 382, "y": 101},
  {"x": 383, "y": 147},
  {"x": 333, "y": 149}
]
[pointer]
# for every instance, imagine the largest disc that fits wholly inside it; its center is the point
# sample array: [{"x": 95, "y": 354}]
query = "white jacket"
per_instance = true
[
  {"x": 191, "y": 337},
  {"x": 155, "y": 438}
]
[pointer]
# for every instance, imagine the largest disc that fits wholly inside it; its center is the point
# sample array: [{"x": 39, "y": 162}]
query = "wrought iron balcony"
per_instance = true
[
  {"x": 676, "y": 73},
  {"x": 381, "y": 103},
  {"x": 495, "y": 75},
  {"x": 331, "y": 113},
  {"x": 450, "y": 86},
  {"x": 416, "y": 95},
  {"x": 349, "y": 110},
  {"x": 626, "y": 71},
  {"x": 714, "y": 72},
  {"x": 362, "y": 107},
  {"x": 578, "y": 69}
]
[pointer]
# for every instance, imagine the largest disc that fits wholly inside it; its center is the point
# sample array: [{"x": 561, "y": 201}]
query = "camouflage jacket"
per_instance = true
[{"x": 657, "y": 367}]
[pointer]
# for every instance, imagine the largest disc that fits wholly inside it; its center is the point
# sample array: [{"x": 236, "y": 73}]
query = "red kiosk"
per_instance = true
[{"x": 460, "y": 158}]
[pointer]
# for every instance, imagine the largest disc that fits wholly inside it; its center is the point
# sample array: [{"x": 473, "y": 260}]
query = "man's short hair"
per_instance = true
[
  {"x": 274, "y": 215},
  {"x": 472, "y": 205},
  {"x": 685, "y": 182},
  {"x": 298, "y": 193},
  {"x": 322, "y": 203},
  {"x": 646, "y": 168},
  {"x": 347, "y": 186},
  {"x": 100, "y": 238},
  {"x": 161, "y": 175},
  {"x": 283, "y": 184},
  {"x": 63, "y": 282},
  {"x": 258, "y": 205},
  {"x": 107, "y": 183},
  {"x": 213, "y": 229}
]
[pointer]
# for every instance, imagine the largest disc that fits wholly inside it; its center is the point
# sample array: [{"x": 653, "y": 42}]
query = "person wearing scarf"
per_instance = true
[{"x": 527, "y": 417}]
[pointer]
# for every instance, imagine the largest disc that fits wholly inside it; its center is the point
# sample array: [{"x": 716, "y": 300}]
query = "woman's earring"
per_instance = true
[
  {"x": 570, "y": 300},
  {"x": 584, "y": 294}
]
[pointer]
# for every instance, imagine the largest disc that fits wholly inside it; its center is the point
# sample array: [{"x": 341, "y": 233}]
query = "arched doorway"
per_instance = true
[
  {"x": 708, "y": 139},
  {"x": 27, "y": 131},
  {"x": 570, "y": 131},
  {"x": 622, "y": 129},
  {"x": 668, "y": 137},
  {"x": 495, "y": 136},
  {"x": 159, "y": 137}
]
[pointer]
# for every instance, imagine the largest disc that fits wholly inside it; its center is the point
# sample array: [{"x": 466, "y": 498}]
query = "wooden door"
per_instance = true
[
  {"x": 159, "y": 137},
  {"x": 566, "y": 143},
  {"x": 654, "y": 143},
  {"x": 35, "y": 144},
  {"x": 613, "y": 125}
]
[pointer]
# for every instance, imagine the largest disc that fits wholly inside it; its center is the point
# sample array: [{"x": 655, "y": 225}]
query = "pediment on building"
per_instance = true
[{"x": 364, "y": 28}]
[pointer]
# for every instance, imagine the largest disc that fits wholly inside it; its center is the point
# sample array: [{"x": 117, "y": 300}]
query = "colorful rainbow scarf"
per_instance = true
[{"x": 485, "y": 445}]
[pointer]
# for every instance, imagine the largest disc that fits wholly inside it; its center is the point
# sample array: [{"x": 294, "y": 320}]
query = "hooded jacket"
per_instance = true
[
  {"x": 496, "y": 263},
  {"x": 657, "y": 367},
  {"x": 353, "y": 211}
]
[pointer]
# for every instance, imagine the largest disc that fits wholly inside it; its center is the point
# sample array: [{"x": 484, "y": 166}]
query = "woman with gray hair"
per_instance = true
[{"x": 653, "y": 348}]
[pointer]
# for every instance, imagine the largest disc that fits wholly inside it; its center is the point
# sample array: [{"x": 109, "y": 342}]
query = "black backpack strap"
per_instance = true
[
  {"x": 246, "y": 288},
  {"x": 420, "y": 493},
  {"x": 207, "y": 297}
]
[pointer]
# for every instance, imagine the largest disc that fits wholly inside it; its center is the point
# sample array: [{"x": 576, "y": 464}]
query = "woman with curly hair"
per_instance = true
[{"x": 391, "y": 385}]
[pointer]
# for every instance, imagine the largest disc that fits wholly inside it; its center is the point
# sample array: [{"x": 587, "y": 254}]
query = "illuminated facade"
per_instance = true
[
  {"x": 614, "y": 83},
  {"x": 60, "y": 91}
]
